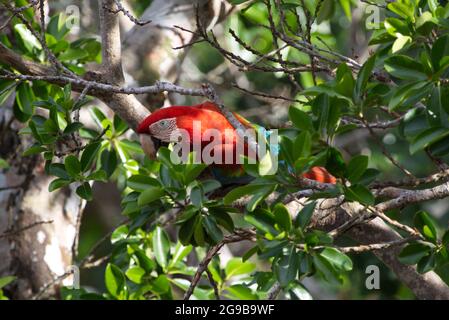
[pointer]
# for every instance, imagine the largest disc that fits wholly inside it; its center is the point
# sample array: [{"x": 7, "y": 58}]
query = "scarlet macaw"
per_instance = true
[{"x": 162, "y": 123}]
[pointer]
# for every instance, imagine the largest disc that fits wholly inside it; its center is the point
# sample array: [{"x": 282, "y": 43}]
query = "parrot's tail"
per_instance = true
[{"x": 320, "y": 174}]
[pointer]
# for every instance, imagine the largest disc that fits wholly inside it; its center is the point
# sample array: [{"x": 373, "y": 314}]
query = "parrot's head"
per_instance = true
[
  {"x": 160, "y": 127},
  {"x": 162, "y": 123}
]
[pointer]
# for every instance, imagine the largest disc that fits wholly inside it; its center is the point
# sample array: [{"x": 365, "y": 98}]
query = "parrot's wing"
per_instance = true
[{"x": 212, "y": 107}]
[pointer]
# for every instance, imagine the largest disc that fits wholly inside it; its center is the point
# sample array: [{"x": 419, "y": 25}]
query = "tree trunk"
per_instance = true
[{"x": 37, "y": 227}]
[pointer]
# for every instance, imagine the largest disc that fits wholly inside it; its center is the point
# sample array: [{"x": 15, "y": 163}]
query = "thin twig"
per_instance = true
[
  {"x": 274, "y": 291},
  {"x": 264, "y": 95},
  {"x": 237, "y": 236},
  {"x": 213, "y": 284},
  {"x": 133, "y": 19},
  {"x": 10, "y": 233}
]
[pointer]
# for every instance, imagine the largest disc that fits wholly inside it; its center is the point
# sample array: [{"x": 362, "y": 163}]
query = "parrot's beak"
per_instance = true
[{"x": 150, "y": 145}]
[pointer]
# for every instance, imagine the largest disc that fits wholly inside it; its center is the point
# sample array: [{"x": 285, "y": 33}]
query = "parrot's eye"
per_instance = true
[{"x": 164, "y": 124}]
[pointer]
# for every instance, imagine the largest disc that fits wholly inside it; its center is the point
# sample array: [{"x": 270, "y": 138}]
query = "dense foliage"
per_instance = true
[{"x": 174, "y": 219}]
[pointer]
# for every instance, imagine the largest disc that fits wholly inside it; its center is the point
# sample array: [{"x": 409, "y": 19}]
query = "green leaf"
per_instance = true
[
  {"x": 402, "y": 9},
  {"x": 180, "y": 253},
  {"x": 302, "y": 145},
  {"x": 185, "y": 232},
  {"x": 135, "y": 274},
  {"x": 58, "y": 27},
  {"x": 196, "y": 195},
  {"x": 141, "y": 183},
  {"x": 282, "y": 217},
  {"x": 369, "y": 176},
  {"x": 400, "y": 42},
  {"x": 210, "y": 185},
  {"x": 188, "y": 213},
  {"x": 427, "y": 263},
  {"x": 335, "y": 163},
  {"x": 242, "y": 191},
  {"x": 445, "y": 239},
  {"x": 89, "y": 155},
  {"x": 236, "y": 2},
  {"x": 24, "y": 102},
  {"x": 34, "y": 150},
  {"x": 114, "y": 280},
  {"x": 212, "y": 229},
  {"x": 326, "y": 11},
  {"x": 259, "y": 196},
  {"x": 304, "y": 216},
  {"x": 160, "y": 285},
  {"x": 6, "y": 280},
  {"x": 149, "y": 195},
  {"x": 339, "y": 260},
  {"x": 120, "y": 126},
  {"x": 109, "y": 161},
  {"x": 119, "y": 234},
  {"x": 262, "y": 220},
  {"x": 404, "y": 67},
  {"x": 425, "y": 23},
  {"x": 240, "y": 292},
  {"x": 364, "y": 75},
  {"x": 3, "y": 164},
  {"x": 161, "y": 246},
  {"x": 198, "y": 232},
  {"x": 440, "y": 49},
  {"x": 72, "y": 166},
  {"x": 145, "y": 262},
  {"x": 73, "y": 127},
  {"x": 300, "y": 119},
  {"x": 6, "y": 89},
  {"x": 236, "y": 267},
  {"x": 424, "y": 223},
  {"x": 413, "y": 253},
  {"x": 360, "y": 194},
  {"x": 326, "y": 269},
  {"x": 248, "y": 254},
  {"x": 346, "y": 5},
  {"x": 29, "y": 40},
  {"x": 223, "y": 218},
  {"x": 328, "y": 113},
  {"x": 98, "y": 116},
  {"x": 300, "y": 292},
  {"x": 58, "y": 170},
  {"x": 427, "y": 138},
  {"x": 267, "y": 165},
  {"x": 73, "y": 54},
  {"x": 409, "y": 94},
  {"x": 286, "y": 267},
  {"x": 99, "y": 175},
  {"x": 85, "y": 191},
  {"x": 317, "y": 237},
  {"x": 193, "y": 171},
  {"x": 356, "y": 168},
  {"x": 58, "y": 183},
  {"x": 344, "y": 81}
]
